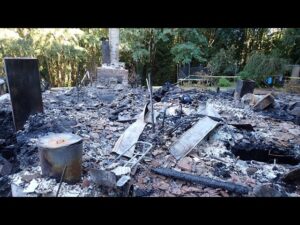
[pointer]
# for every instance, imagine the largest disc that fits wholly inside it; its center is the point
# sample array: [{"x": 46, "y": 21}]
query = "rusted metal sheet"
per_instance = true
[
  {"x": 192, "y": 137},
  {"x": 24, "y": 87},
  {"x": 125, "y": 145},
  {"x": 59, "y": 150}
]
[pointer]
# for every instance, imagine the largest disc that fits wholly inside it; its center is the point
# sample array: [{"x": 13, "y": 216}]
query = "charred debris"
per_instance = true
[{"x": 205, "y": 143}]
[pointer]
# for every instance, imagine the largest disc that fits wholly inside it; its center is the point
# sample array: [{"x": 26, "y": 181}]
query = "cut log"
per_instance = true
[{"x": 205, "y": 181}]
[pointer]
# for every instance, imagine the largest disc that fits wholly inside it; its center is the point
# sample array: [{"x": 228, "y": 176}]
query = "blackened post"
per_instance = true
[{"x": 24, "y": 88}]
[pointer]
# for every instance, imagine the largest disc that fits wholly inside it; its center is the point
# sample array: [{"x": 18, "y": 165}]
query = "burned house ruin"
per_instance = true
[{"x": 171, "y": 141}]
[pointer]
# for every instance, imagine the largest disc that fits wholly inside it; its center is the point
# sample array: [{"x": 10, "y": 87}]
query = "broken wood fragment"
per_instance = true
[
  {"x": 205, "y": 181},
  {"x": 265, "y": 102}
]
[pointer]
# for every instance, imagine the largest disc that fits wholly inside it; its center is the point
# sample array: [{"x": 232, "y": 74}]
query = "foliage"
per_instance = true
[
  {"x": 244, "y": 75},
  {"x": 62, "y": 53},
  {"x": 223, "y": 63},
  {"x": 189, "y": 45},
  {"x": 184, "y": 53},
  {"x": 143, "y": 46},
  {"x": 223, "y": 82},
  {"x": 259, "y": 66},
  {"x": 290, "y": 45},
  {"x": 158, "y": 50},
  {"x": 164, "y": 69},
  {"x": 243, "y": 40}
]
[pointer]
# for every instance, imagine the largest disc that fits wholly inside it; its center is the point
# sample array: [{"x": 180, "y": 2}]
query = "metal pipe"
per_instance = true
[
  {"x": 149, "y": 83},
  {"x": 61, "y": 180}
]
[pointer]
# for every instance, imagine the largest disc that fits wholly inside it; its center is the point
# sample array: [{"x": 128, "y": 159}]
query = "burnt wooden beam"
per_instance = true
[{"x": 205, "y": 181}]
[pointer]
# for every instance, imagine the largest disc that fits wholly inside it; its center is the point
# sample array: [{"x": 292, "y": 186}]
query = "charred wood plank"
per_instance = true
[{"x": 205, "y": 181}]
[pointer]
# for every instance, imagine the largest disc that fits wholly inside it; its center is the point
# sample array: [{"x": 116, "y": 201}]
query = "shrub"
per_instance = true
[
  {"x": 259, "y": 66},
  {"x": 223, "y": 82},
  {"x": 244, "y": 75}
]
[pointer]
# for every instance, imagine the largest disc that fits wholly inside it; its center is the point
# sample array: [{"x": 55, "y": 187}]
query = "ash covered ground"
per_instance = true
[{"x": 259, "y": 156}]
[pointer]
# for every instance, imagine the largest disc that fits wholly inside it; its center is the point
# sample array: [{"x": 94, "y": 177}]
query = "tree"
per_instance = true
[
  {"x": 63, "y": 54},
  {"x": 190, "y": 44},
  {"x": 243, "y": 40},
  {"x": 141, "y": 45},
  {"x": 223, "y": 63},
  {"x": 290, "y": 45}
]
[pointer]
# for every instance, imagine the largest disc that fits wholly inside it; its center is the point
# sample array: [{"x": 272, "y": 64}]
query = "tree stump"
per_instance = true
[{"x": 60, "y": 150}]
